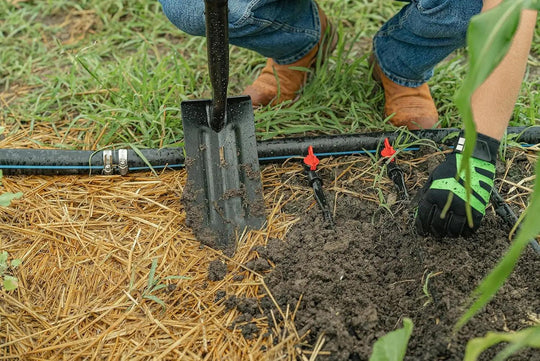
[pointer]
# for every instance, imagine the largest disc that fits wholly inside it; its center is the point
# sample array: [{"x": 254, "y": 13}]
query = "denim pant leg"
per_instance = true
[
  {"x": 422, "y": 34},
  {"x": 284, "y": 30}
]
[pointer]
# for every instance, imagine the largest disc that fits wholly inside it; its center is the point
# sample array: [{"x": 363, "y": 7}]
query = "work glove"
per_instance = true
[{"x": 442, "y": 182}]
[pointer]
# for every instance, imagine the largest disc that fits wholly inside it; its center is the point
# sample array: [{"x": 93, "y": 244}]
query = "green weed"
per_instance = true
[
  {"x": 425, "y": 287},
  {"x": 9, "y": 282},
  {"x": 155, "y": 284}
]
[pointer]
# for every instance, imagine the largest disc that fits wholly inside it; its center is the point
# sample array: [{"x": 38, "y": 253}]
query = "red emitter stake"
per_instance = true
[{"x": 395, "y": 173}]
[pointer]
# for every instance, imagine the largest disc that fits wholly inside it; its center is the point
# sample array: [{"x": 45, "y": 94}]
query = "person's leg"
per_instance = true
[
  {"x": 493, "y": 102},
  {"x": 286, "y": 32},
  {"x": 280, "y": 29},
  {"x": 408, "y": 47},
  {"x": 282, "y": 82},
  {"x": 422, "y": 34}
]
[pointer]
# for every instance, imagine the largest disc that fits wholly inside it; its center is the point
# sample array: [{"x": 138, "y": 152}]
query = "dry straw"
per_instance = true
[{"x": 87, "y": 245}]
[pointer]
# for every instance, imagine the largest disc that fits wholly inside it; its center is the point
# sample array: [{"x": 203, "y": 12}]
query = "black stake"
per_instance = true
[
  {"x": 507, "y": 214},
  {"x": 310, "y": 167},
  {"x": 395, "y": 173}
]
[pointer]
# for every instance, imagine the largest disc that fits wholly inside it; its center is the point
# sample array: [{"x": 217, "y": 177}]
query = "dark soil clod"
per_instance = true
[
  {"x": 358, "y": 282},
  {"x": 217, "y": 270}
]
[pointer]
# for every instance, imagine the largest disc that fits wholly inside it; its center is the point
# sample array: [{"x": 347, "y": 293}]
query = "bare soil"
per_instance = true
[{"x": 356, "y": 282}]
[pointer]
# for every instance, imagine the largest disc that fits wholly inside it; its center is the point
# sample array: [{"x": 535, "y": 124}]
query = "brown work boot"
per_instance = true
[
  {"x": 279, "y": 83},
  {"x": 412, "y": 107}
]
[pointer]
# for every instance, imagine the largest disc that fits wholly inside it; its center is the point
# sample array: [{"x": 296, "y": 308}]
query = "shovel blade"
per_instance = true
[{"x": 223, "y": 194}]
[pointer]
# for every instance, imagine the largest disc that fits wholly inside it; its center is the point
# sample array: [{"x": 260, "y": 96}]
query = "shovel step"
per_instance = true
[{"x": 223, "y": 194}]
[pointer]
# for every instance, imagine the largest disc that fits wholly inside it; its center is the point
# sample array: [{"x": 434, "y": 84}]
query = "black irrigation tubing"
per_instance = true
[{"x": 121, "y": 161}]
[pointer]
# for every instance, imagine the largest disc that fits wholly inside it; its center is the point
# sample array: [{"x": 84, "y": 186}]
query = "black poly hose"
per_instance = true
[
  {"x": 64, "y": 162},
  {"x": 332, "y": 145}
]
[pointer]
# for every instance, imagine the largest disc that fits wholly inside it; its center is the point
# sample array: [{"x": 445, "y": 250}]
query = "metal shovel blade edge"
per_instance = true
[{"x": 223, "y": 194}]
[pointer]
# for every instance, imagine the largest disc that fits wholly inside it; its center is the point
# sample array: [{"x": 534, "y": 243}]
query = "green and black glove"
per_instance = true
[{"x": 442, "y": 182}]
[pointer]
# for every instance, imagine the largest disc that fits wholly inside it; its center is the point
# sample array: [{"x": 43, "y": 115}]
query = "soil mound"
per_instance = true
[{"x": 358, "y": 281}]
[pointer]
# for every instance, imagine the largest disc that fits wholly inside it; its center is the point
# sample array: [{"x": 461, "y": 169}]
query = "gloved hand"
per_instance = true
[{"x": 442, "y": 182}]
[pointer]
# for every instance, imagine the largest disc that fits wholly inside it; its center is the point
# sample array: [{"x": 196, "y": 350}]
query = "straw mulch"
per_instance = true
[{"x": 87, "y": 246}]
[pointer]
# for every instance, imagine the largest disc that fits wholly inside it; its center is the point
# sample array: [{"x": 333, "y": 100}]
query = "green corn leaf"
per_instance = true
[
  {"x": 10, "y": 283},
  {"x": 530, "y": 228},
  {"x": 393, "y": 345},
  {"x": 529, "y": 337},
  {"x": 489, "y": 37},
  {"x": 6, "y": 198}
]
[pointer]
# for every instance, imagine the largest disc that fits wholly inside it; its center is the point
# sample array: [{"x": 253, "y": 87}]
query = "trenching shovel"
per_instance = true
[{"x": 223, "y": 194}]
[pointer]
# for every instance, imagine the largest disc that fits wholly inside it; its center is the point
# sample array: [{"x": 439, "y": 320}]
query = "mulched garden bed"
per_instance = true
[{"x": 296, "y": 290}]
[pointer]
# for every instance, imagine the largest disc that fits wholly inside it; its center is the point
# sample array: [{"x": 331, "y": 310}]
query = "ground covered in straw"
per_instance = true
[{"x": 110, "y": 271}]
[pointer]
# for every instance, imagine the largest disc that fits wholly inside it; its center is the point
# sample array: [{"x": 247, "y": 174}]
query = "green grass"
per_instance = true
[{"x": 115, "y": 72}]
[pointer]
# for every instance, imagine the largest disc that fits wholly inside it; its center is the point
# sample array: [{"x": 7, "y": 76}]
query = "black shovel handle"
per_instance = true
[{"x": 217, "y": 35}]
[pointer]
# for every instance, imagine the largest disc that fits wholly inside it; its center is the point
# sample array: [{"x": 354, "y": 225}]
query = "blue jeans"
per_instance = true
[
  {"x": 407, "y": 47},
  {"x": 284, "y": 30},
  {"x": 424, "y": 32}
]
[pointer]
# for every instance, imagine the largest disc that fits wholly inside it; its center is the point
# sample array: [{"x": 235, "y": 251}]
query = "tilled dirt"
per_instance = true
[
  {"x": 356, "y": 282},
  {"x": 359, "y": 281}
]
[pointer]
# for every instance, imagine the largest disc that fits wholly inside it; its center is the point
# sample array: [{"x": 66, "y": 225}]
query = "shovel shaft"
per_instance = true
[{"x": 216, "y": 13}]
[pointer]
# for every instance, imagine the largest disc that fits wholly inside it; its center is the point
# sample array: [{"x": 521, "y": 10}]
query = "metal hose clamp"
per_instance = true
[
  {"x": 123, "y": 161},
  {"x": 107, "y": 162}
]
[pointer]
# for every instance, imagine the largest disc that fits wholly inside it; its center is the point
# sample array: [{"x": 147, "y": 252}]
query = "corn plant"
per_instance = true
[{"x": 489, "y": 38}]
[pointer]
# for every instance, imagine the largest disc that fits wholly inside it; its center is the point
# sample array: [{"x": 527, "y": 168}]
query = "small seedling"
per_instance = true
[
  {"x": 6, "y": 198},
  {"x": 9, "y": 282},
  {"x": 393, "y": 345},
  {"x": 154, "y": 284},
  {"x": 425, "y": 287}
]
